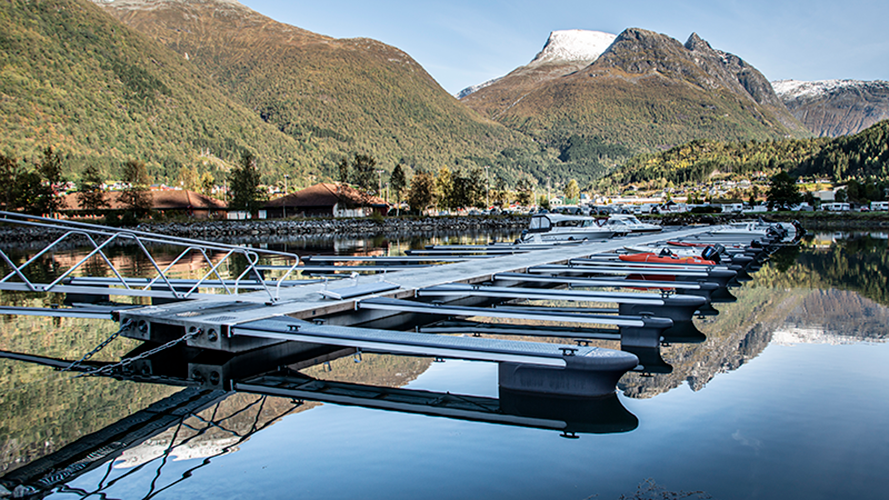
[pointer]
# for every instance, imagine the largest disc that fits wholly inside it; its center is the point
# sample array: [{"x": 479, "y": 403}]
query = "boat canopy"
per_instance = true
[
  {"x": 623, "y": 219},
  {"x": 545, "y": 222}
]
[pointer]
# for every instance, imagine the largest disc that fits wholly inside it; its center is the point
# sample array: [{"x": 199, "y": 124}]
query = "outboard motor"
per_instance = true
[
  {"x": 521, "y": 238},
  {"x": 711, "y": 253},
  {"x": 665, "y": 253},
  {"x": 800, "y": 232}
]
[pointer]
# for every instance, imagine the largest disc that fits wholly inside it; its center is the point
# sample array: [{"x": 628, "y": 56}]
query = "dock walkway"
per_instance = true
[{"x": 308, "y": 302}]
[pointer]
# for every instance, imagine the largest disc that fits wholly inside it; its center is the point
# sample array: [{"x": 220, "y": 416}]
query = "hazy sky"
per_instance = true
[{"x": 462, "y": 43}]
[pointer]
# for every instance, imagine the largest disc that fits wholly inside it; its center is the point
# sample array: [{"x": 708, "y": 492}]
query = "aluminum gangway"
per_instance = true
[
  {"x": 364, "y": 312},
  {"x": 313, "y": 301}
]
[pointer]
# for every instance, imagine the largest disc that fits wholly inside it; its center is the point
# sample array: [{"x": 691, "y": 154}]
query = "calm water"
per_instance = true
[{"x": 786, "y": 398}]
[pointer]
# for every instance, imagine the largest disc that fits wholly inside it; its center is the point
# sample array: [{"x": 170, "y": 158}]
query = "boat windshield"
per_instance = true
[
  {"x": 623, "y": 220},
  {"x": 569, "y": 223},
  {"x": 540, "y": 223}
]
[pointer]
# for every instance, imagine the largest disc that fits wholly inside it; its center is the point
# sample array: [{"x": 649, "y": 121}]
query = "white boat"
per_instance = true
[
  {"x": 548, "y": 228},
  {"x": 626, "y": 224},
  {"x": 749, "y": 231}
]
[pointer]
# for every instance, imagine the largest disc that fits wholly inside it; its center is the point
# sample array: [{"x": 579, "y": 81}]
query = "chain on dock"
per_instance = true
[
  {"x": 87, "y": 356},
  {"x": 108, "y": 369}
]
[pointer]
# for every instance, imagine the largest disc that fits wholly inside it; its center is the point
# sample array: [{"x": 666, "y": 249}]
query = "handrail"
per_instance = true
[{"x": 99, "y": 237}]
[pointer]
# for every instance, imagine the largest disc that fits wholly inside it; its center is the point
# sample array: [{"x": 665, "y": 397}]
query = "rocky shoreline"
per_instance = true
[
  {"x": 394, "y": 226},
  {"x": 288, "y": 229},
  {"x": 233, "y": 231}
]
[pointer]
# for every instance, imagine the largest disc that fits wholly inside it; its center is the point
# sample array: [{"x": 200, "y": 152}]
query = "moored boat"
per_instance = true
[
  {"x": 629, "y": 224},
  {"x": 548, "y": 228},
  {"x": 654, "y": 258}
]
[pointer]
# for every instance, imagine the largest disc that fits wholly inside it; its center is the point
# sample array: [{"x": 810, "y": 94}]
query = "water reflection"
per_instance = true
[
  {"x": 203, "y": 421},
  {"x": 829, "y": 291}
]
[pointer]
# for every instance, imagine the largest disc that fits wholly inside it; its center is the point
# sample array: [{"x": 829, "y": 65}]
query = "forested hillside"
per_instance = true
[
  {"x": 333, "y": 97},
  {"x": 74, "y": 78},
  {"x": 863, "y": 156}
]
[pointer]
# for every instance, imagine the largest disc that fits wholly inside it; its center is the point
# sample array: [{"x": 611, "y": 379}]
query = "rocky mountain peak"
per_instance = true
[
  {"x": 641, "y": 51},
  {"x": 695, "y": 42},
  {"x": 835, "y": 107}
]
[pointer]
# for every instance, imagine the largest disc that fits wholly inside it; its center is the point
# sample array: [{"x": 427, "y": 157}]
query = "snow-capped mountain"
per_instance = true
[
  {"x": 795, "y": 89},
  {"x": 473, "y": 88},
  {"x": 591, "y": 87},
  {"x": 835, "y": 107},
  {"x": 565, "y": 51},
  {"x": 574, "y": 46}
]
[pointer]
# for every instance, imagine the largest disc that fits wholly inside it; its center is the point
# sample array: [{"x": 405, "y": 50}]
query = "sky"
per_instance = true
[{"x": 462, "y": 42}]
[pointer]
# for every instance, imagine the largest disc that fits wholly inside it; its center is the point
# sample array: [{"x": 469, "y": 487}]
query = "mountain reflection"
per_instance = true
[
  {"x": 203, "y": 423},
  {"x": 826, "y": 291}
]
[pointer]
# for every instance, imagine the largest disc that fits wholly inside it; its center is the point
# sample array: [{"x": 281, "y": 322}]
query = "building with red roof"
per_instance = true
[
  {"x": 326, "y": 200},
  {"x": 183, "y": 201}
]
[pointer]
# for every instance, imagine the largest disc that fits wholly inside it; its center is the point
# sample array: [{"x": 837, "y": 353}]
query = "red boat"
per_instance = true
[{"x": 653, "y": 258}]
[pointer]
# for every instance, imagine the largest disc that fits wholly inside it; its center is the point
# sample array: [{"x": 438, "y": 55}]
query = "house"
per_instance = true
[
  {"x": 826, "y": 196},
  {"x": 326, "y": 200},
  {"x": 178, "y": 201}
]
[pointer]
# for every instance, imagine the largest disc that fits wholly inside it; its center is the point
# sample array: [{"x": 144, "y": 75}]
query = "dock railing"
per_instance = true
[{"x": 100, "y": 238}]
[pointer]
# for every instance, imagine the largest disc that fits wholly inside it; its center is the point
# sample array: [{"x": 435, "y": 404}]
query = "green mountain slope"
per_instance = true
[
  {"x": 73, "y": 77},
  {"x": 334, "y": 97},
  {"x": 646, "y": 92},
  {"x": 861, "y": 156}
]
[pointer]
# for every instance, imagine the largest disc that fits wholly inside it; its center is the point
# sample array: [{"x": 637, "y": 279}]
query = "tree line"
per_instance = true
[
  {"x": 39, "y": 189},
  {"x": 863, "y": 157},
  {"x": 446, "y": 188}
]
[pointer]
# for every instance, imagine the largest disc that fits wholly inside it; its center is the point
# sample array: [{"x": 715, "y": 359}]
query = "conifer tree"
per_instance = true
[
  {"x": 343, "y": 172},
  {"x": 362, "y": 173},
  {"x": 136, "y": 197},
  {"x": 9, "y": 170},
  {"x": 207, "y": 183},
  {"x": 51, "y": 169},
  {"x": 244, "y": 185},
  {"x": 397, "y": 182},
  {"x": 90, "y": 195}
]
